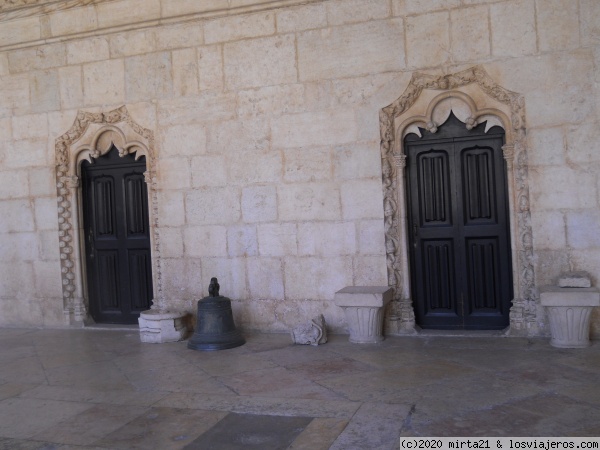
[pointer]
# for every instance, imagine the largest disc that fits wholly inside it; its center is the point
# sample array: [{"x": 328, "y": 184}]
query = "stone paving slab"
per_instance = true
[{"x": 82, "y": 389}]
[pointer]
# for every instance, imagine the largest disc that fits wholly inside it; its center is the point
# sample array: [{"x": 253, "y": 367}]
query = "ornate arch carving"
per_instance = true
[
  {"x": 92, "y": 135},
  {"x": 484, "y": 100}
]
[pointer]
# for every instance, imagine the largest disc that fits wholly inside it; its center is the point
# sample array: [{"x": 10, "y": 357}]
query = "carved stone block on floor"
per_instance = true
[
  {"x": 313, "y": 332},
  {"x": 157, "y": 327}
]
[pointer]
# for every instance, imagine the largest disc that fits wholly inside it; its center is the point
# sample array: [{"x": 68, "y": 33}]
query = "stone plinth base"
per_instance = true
[
  {"x": 569, "y": 311},
  {"x": 364, "y": 307},
  {"x": 157, "y": 327}
]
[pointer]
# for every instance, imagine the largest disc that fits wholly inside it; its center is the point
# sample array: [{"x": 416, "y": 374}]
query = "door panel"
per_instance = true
[
  {"x": 119, "y": 268},
  {"x": 459, "y": 236}
]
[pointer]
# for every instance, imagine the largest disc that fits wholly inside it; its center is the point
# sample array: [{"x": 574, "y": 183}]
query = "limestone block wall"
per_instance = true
[{"x": 266, "y": 119}]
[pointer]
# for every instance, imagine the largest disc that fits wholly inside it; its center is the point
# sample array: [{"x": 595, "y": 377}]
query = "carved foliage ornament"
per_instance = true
[
  {"x": 523, "y": 312},
  {"x": 67, "y": 183}
]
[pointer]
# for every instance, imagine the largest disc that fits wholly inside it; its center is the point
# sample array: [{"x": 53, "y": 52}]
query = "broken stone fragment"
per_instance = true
[
  {"x": 575, "y": 280},
  {"x": 311, "y": 333}
]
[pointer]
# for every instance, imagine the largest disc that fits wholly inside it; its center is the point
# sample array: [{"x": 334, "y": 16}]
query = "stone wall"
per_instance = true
[{"x": 266, "y": 119}]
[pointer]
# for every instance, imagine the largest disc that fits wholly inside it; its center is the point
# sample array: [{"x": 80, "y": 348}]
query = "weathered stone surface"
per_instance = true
[
  {"x": 513, "y": 28},
  {"x": 220, "y": 205},
  {"x": 313, "y": 129},
  {"x": 174, "y": 173},
  {"x": 17, "y": 215},
  {"x": 132, "y": 43},
  {"x": 312, "y": 201},
  {"x": 575, "y": 280},
  {"x": 326, "y": 239},
  {"x": 582, "y": 141},
  {"x": 148, "y": 76},
  {"x": 583, "y": 229},
  {"x": 278, "y": 239},
  {"x": 88, "y": 50},
  {"x": 331, "y": 53},
  {"x": 44, "y": 91},
  {"x": 260, "y": 62},
  {"x": 362, "y": 200},
  {"x": 239, "y": 27},
  {"x": 208, "y": 107},
  {"x": 590, "y": 22},
  {"x": 316, "y": 278},
  {"x": 171, "y": 208},
  {"x": 301, "y": 18},
  {"x": 179, "y": 7},
  {"x": 171, "y": 242},
  {"x": 546, "y": 146},
  {"x": 242, "y": 241},
  {"x": 179, "y": 36},
  {"x": 356, "y": 161},
  {"x": 183, "y": 140},
  {"x": 275, "y": 100},
  {"x": 13, "y": 184},
  {"x": 313, "y": 332},
  {"x": 409, "y": 7},
  {"x": 209, "y": 170},
  {"x": 259, "y": 204},
  {"x": 428, "y": 39},
  {"x": 71, "y": 87},
  {"x": 104, "y": 82},
  {"x": 562, "y": 187},
  {"x": 32, "y": 126},
  {"x": 210, "y": 67},
  {"x": 340, "y": 12},
  {"x": 185, "y": 72},
  {"x": 371, "y": 237},
  {"x": 307, "y": 164},
  {"x": 369, "y": 270},
  {"x": 550, "y": 230},
  {"x": 23, "y": 30},
  {"x": 557, "y": 25},
  {"x": 265, "y": 278},
  {"x": 76, "y": 20},
  {"x": 127, "y": 11},
  {"x": 205, "y": 241},
  {"x": 470, "y": 33}
]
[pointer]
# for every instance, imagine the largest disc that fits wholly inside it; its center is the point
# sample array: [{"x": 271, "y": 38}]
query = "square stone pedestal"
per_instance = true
[
  {"x": 364, "y": 307},
  {"x": 569, "y": 310},
  {"x": 157, "y": 327}
]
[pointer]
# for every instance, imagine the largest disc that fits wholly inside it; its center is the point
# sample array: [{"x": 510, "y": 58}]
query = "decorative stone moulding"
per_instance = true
[
  {"x": 157, "y": 327},
  {"x": 92, "y": 135},
  {"x": 474, "y": 98},
  {"x": 569, "y": 310},
  {"x": 364, "y": 307}
]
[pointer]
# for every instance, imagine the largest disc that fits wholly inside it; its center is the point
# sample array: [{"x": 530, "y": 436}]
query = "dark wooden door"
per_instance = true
[
  {"x": 458, "y": 226},
  {"x": 119, "y": 269}
]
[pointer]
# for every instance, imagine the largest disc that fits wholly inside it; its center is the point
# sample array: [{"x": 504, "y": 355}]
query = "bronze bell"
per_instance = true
[{"x": 215, "y": 329}]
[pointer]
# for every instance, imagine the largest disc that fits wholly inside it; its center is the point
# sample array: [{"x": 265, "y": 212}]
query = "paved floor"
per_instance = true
[{"x": 75, "y": 389}]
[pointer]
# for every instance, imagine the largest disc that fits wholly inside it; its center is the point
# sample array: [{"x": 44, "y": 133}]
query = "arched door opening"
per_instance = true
[
  {"x": 459, "y": 235},
  {"x": 477, "y": 103},
  {"x": 117, "y": 237}
]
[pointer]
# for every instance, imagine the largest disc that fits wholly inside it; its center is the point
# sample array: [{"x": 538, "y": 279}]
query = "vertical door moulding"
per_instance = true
[
  {"x": 92, "y": 135},
  {"x": 480, "y": 99}
]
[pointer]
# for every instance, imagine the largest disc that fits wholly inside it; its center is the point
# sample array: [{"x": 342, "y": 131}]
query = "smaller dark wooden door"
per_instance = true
[
  {"x": 119, "y": 268},
  {"x": 458, "y": 226}
]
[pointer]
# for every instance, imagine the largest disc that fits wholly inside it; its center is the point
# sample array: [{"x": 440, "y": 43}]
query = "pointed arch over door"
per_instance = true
[
  {"x": 426, "y": 104},
  {"x": 92, "y": 136}
]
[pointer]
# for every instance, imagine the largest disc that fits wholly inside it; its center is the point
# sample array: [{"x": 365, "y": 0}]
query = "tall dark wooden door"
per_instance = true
[
  {"x": 458, "y": 226},
  {"x": 119, "y": 269}
]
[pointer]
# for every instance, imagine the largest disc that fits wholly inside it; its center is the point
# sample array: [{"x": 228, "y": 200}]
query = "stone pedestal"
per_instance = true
[
  {"x": 364, "y": 307},
  {"x": 569, "y": 310},
  {"x": 157, "y": 327}
]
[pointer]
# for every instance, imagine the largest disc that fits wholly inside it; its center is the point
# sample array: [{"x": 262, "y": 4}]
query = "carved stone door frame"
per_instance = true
[
  {"x": 92, "y": 135},
  {"x": 474, "y": 98}
]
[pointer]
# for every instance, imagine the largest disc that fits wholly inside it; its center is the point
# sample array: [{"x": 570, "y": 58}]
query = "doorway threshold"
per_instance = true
[
  {"x": 462, "y": 333},
  {"x": 111, "y": 327}
]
